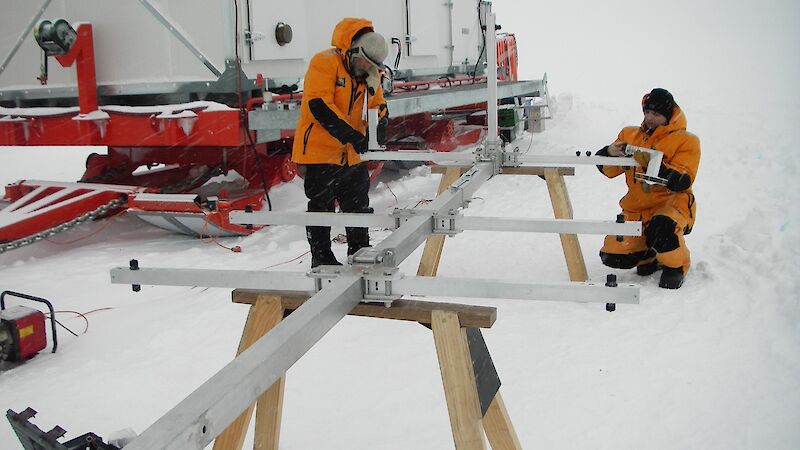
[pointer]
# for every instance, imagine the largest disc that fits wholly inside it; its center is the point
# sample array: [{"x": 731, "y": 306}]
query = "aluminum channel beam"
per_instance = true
[
  {"x": 460, "y": 223},
  {"x": 561, "y": 226},
  {"x": 489, "y": 288},
  {"x": 490, "y": 36},
  {"x": 318, "y": 219},
  {"x": 197, "y": 420},
  {"x": 235, "y": 279},
  {"x": 267, "y": 122},
  {"x": 400, "y": 286},
  {"x": 469, "y": 157}
]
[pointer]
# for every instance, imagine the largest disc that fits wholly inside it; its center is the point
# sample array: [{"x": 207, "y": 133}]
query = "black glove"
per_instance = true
[
  {"x": 381, "y": 130},
  {"x": 360, "y": 143}
]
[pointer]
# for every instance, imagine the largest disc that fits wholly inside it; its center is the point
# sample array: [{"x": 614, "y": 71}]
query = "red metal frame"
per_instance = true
[
  {"x": 82, "y": 52},
  {"x": 187, "y": 142}
]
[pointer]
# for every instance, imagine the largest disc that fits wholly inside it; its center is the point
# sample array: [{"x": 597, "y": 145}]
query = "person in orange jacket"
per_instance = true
[
  {"x": 340, "y": 85},
  {"x": 667, "y": 211}
]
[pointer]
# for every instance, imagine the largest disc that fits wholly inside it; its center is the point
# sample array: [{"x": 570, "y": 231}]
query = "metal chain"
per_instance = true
[{"x": 99, "y": 211}]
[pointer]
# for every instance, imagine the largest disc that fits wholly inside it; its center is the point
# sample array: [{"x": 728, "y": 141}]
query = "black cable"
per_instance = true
[
  {"x": 64, "y": 327},
  {"x": 483, "y": 48},
  {"x": 399, "y": 51}
]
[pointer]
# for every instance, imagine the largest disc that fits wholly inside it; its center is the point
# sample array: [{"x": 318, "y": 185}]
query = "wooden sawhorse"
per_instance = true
[{"x": 463, "y": 361}]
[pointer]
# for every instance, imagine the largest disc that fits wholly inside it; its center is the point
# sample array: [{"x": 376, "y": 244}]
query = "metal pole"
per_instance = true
[
  {"x": 178, "y": 33},
  {"x": 491, "y": 74},
  {"x": 22, "y": 36}
]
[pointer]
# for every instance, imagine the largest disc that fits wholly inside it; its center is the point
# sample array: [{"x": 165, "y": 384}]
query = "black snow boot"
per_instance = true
[
  {"x": 357, "y": 238},
  {"x": 319, "y": 238},
  {"x": 671, "y": 278},
  {"x": 648, "y": 268}
]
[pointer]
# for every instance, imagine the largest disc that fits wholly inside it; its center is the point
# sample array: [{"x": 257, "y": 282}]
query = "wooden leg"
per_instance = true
[
  {"x": 268, "y": 417},
  {"x": 498, "y": 427},
  {"x": 563, "y": 210},
  {"x": 429, "y": 264},
  {"x": 458, "y": 380},
  {"x": 266, "y": 312}
]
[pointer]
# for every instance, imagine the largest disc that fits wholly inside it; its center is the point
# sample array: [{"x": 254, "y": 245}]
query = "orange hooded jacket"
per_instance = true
[
  {"x": 679, "y": 165},
  {"x": 332, "y": 114}
]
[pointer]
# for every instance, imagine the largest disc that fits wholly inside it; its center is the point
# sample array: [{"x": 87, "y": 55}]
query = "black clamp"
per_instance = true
[
  {"x": 134, "y": 265},
  {"x": 611, "y": 281}
]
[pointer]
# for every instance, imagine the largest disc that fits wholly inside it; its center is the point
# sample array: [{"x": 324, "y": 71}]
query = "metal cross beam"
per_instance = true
[
  {"x": 447, "y": 224},
  {"x": 381, "y": 285},
  {"x": 461, "y": 158}
]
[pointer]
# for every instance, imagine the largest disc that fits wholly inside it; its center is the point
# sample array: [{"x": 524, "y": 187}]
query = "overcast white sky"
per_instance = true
[{"x": 739, "y": 50}]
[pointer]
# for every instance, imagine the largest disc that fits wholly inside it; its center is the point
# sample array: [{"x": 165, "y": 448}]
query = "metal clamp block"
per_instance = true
[
  {"x": 378, "y": 284},
  {"x": 371, "y": 256},
  {"x": 511, "y": 159},
  {"x": 446, "y": 224},
  {"x": 402, "y": 215},
  {"x": 323, "y": 275}
]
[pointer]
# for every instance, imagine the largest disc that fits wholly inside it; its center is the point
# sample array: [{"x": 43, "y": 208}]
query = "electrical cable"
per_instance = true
[
  {"x": 483, "y": 48},
  {"x": 205, "y": 232}
]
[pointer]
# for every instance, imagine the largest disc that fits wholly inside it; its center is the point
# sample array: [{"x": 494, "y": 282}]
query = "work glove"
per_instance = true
[
  {"x": 360, "y": 143},
  {"x": 616, "y": 149},
  {"x": 381, "y": 130},
  {"x": 643, "y": 158}
]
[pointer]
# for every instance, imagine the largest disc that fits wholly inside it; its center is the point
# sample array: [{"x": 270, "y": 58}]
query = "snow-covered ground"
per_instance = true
[{"x": 714, "y": 365}]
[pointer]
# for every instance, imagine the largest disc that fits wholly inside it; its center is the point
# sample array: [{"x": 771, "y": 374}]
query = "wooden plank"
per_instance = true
[
  {"x": 562, "y": 209},
  {"x": 499, "y": 429},
  {"x": 408, "y": 310},
  {"x": 458, "y": 380},
  {"x": 522, "y": 170},
  {"x": 432, "y": 253},
  {"x": 266, "y": 311}
]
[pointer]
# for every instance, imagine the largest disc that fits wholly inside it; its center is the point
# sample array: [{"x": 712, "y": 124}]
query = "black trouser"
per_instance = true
[{"x": 326, "y": 184}]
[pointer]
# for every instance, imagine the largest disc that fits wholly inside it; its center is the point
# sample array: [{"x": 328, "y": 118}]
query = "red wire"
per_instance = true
[{"x": 204, "y": 231}]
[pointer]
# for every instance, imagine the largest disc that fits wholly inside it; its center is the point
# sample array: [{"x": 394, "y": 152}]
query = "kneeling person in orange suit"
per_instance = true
[{"x": 667, "y": 211}]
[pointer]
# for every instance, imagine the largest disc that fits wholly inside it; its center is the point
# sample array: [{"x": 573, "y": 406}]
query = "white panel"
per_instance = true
[
  {"x": 265, "y": 16},
  {"x": 424, "y": 23},
  {"x": 467, "y": 38}
]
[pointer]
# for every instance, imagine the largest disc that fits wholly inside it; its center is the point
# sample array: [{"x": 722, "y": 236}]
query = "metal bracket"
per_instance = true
[
  {"x": 324, "y": 275},
  {"x": 402, "y": 215},
  {"x": 446, "y": 224},
  {"x": 378, "y": 284},
  {"x": 373, "y": 256},
  {"x": 251, "y": 36},
  {"x": 511, "y": 159},
  {"x": 376, "y": 280}
]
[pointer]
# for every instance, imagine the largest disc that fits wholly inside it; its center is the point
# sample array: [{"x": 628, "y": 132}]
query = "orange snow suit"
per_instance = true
[
  {"x": 667, "y": 212},
  {"x": 332, "y": 114}
]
